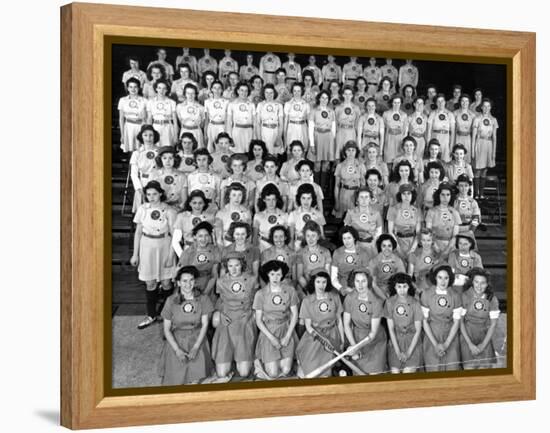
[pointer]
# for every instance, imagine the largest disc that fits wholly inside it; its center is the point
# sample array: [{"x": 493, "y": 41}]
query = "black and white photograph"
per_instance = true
[{"x": 290, "y": 215}]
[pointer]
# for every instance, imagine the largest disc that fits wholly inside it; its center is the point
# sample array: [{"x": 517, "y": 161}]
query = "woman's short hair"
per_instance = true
[
  {"x": 267, "y": 86},
  {"x": 350, "y": 144},
  {"x": 459, "y": 146},
  {"x": 236, "y": 157},
  {"x": 410, "y": 86},
  {"x": 254, "y": 78},
  {"x": 267, "y": 190},
  {"x": 239, "y": 85},
  {"x": 234, "y": 186},
  {"x": 232, "y": 256},
  {"x": 360, "y": 190},
  {"x": 442, "y": 187},
  {"x": 389, "y": 80},
  {"x": 216, "y": 81},
  {"x": 469, "y": 237},
  {"x": 295, "y": 143},
  {"x": 385, "y": 237},
  {"x": 308, "y": 73},
  {"x": 190, "y": 270},
  {"x": 253, "y": 143},
  {"x": 132, "y": 80},
  {"x": 196, "y": 193},
  {"x": 348, "y": 229},
  {"x": 184, "y": 65},
  {"x": 303, "y": 162},
  {"x": 375, "y": 172},
  {"x": 435, "y": 165},
  {"x": 156, "y": 135},
  {"x": 359, "y": 78},
  {"x": 419, "y": 98},
  {"x": 161, "y": 81},
  {"x": 238, "y": 225},
  {"x": 310, "y": 287},
  {"x": 158, "y": 66},
  {"x": 321, "y": 93},
  {"x": 444, "y": 267},
  {"x": 271, "y": 158},
  {"x": 223, "y": 135},
  {"x": 312, "y": 226},
  {"x": 401, "y": 278},
  {"x": 306, "y": 188},
  {"x": 394, "y": 97},
  {"x": 413, "y": 196},
  {"x": 189, "y": 136},
  {"x": 153, "y": 184},
  {"x": 424, "y": 231},
  {"x": 204, "y": 225},
  {"x": 396, "y": 177},
  {"x": 298, "y": 84},
  {"x": 167, "y": 149},
  {"x": 463, "y": 178},
  {"x": 203, "y": 151},
  {"x": 474, "y": 272},
  {"x": 190, "y": 86},
  {"x": 282, "y": 228},
  {"x": 411, "y": 139},
  {"x": 203, "y": 79},
  {"x": 465, "y": 95},
  {"x": 440, "y": 95},
  {"x": 355, "y": 272},
  {"x": 273, "y": 265}
]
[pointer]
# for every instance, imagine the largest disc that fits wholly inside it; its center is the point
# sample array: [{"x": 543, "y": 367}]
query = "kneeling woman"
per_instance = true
[
  {"x": 321, "y": 311},
  {"x": 276, "y": 307},
  {"x": 362, "y": 314},
  {"x": 235, "y": 335},
  {"x": 185, "y": 357},
  {"x": 404, "y": 316}
]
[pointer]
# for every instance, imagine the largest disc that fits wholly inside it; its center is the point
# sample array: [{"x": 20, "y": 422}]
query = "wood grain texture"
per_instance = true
[{"x": 84, "y": 400}]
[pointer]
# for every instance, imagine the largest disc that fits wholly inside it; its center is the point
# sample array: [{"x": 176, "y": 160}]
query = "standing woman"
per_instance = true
[
  {"x": 349, "y": 177},
  {"x": 405, "y": 221},
  {"x": 246, "y": 72},
  {"x": 322, "y": 130},
  {"x": 226, "y": 66},
  {"x": 408, "y": 99},
  {"x": 385, "y": 264},
  {"x": 372, "y": 160},
  {"x": 240, "y": 234},
  {"x": 347, "y": 117},
  {"x": 362, "y": 314},
  {"x": 422, "y": 260},
  {"x": 361, "y": 95},
  {"x": 464, "y": 120},
  {"x": 205, "y": 93},
  {"x": 257, "y": 85},
  {"x": 185, "y": 356},
  {"x": 142, "y": 162},
  {"x": 441, "y": 126},
  {"x": 373, "y": 76},
  {"x": 235, "y": 335},
  {"x": 279, "y": 239},
  {"x": 257, "y": 151},
  {"x": 172, "y": 181},
  {"x": 276, "y": 310},
  {"x": 204, "y": 179},
  {"x": 313, "y": 257},
  {"x": 485, "y": 147},
  {"x": 336, "y": 98},
  {"x": 321, "y": 311},
  {"x": 269, "y": 64},
  {"x": 480, "y": 313},
  {"x": 288, "y": 171},
  {"x": 408, "y": 74},
  {"x": 459, "y": 166},
  {"x": 404, "y": 315},
  {"x": 296, "y": 116},
  {"x": 240, "y": 119},
  {"x": 442, "y": 308},
  {"x": 395, "y": 122},
  {"x": 270, "y": 204},
  {"x": 194, "y": 213},
  {"x": 478, "y": 101},
  {"x": 305, "y": 211},
  {"x": 330, "y": 72},
  {"x": 351, "y": 71},
  {"x": 370, "y": 127},
  {"x": 207, "y": 63},
  {"x": 132, "y": 114},
  {"x": 152, "y": 251},
  {"x": 444, "y": 220},
  {"x": 215, "y": 114},
  {"x": 155, "y": 72},
  {"x": 383, "y": 96},
  {"x": 134, "y": 72},
  {"x": 232, "y": 211},
  {"x": 269, "y": 121},
  {"x": 236, "y": 166},
  {"x": 191, "y": 114},
  {"x": 402, "y": 174},
  {"x": 466, "y": 205},
  {"x": 418, "y": 123},
  {"x": 161, "y": 113},
  {"x": 310, "y": 88}
]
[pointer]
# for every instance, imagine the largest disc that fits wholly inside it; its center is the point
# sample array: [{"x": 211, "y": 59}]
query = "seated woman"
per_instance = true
[
  {"x": 422, "y": 260},
  {"x": 236, "y": 166},
  {"x": 305, "y": 168},
  {"x": 172, "y": 180},
  {"x": 240, "y": 232},
  {"x": 204, "y": 179},
  {"x": 466, "y": 205},
  {"x": 312, "y": 257},
  {"x": 458, "y": 165},
  {"x": 402, "y": 174},
  {"x": 279, "y": 238},
  {"x": 270, "y": 214},
  {"x": 305, "y": 211},
  {"x": 385, "y": 264},
  {"x": 436, "y": 173},
  {"x": 232, "y": 211}
]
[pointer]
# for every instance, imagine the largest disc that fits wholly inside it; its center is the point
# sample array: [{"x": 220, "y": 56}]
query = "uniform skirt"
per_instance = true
[
  {"x": 444, "y": 141},
  {"x": 266, "y": 352},
  {"x": 346, "y": 201},
  {"x": 466, "y": 141},
  {"x": 152, "y": 259},
  {"x": 137, "y": 202},
  {"x": 404, "y": 246},
  {"x": 373, "y": 355},
  {"x": 404, "y": 340},
  {"x": 483, "y": 148},
  {"x": 448, "y": 362},
  {"x": 370, "y": 247},
  {"x": 212, "y": 132},
  {"x": 131, "y": 130},
  {"x": 477, "y": 334},
  {"x": 197, "y": 133},
  {"x": 297, "y": 131},
  {"x": 343, "y": 135},
  {"x": 241, "y": 138},
  {"x": 271, "y": 138},
  {"x": 324, "y": 147},
  {"x": 176, "y": 372},
  {"x": 310, "y": 354},
  {"x": 420, "y": 147},
  {"x": 392, "y": 147},
  {"x": 235, "y": 341},
  {"x": 167, "y": 134}
]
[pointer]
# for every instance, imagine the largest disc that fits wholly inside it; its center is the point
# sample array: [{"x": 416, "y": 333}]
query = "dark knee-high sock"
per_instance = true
[
  {"x": 152, "y": 298},
  {"x": 162, "y": 296},
  {"x": 482, "y": 181},
  {"x": 476, "y": 186}
]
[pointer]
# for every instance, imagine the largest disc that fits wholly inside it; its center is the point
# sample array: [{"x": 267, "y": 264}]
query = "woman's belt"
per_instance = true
[
  {"x": 159, "y": 236},
  {"x": 161, "y": 122},
  {"x": 189, "y": 127},
  {"x": 322, "y": 130},
  {"x": 463, "y": 133},
  {"x": 244, "y": 125},
  {"x": 405, "y": 235},
  {"x": 342, "y": 126},
  {"x": 440, "y": 131},
  {"x": 350, "y": 188},
  {"x": 270, "y": 125},
  {"x": 297, "y": 122},
  {"x": 417, "y": 135},
  {"x": 371, "y": 134},
  {"x": 394, "y": 131},
  {"x": 485, "y": 137},
  {"x": 216, "y": 122},
  {"x": 134, "y": 121}
]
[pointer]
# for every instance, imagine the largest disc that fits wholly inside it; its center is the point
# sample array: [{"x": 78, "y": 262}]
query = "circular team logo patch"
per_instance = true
[
  {"x": 189, "y": 161},
  {"x": 228, "y": 63},
  {"x": 396, "y": 117},
  {"x": 406, "y": 214},
  {"x": 347, "y": 110},
  {"x": 203, "y": 179},
  {"x": 364, "y": 218},
  {"x": 361, "y": 99},
  {"x": 207, "y": 61},
  {"x": 160, "y": 105},
  {"x": 335, "y": 101},
  {"x": 351, "y": 169},
  {"x": 464, "y": 117},
  {"x": 324, "y": 114},
  {"x": 297, "y": 107},
  {"x": 400, "y": 310},
  {"x": 235, "y": 216},
  {"x": 442, "y": 301},
  {"x": 370, "y": 121},
  {"x": 353, "y": 68},
  {"x": 280, "y": 258},
  {"x": 269, "y": 108},
  {"x": 419, "y": 120},
  {"x": 446, "y": 216},
  {"x": 306, "y": 217},
  {"x": 478, "y": 306},
  {"x": 195, "y": 221},
  {"x": 408, "y": 106},
  {"x": 323, "y": 307},
  {"x": 433, "y": 106},
  {"x": 386, "y": 97},
  {"x": 133, "y": 104},
  {"x": 331, "y": 69},
  {"x": 201, "y": 258},
  {"x": 463, "y": 205},
  {"x": 486, "y": 122},
  {"x": 150, "y": 154},
  {"x": 155, "y": 215},
  {"x": 363, "y": 307},
  {"x": 217, "y": 104},
  {"x": 350, "y": 260},
  {"x": 373, "y": 71},
  {"x": 277, "y": 300},
  {"x": 442, "y": 117},
  {"x": 259, "y": 168},
  {"x": 242, "y": 107},
  {"x": 313, "y": 258},
  {"x": 459, "y": 170},
  {"x": 270, "y": 59},
  {"x": 168, "y": 180},
  {"x": 386, "y": 269},
  {"x": 456, "y": 105},
  {"x": 409, "y": 70},
  {"x": 428, "y": 260},
  {"x": 292, "y": 67},
  {"x": 236, "y": 287},
  {"x": 224, "y": 158},
  {"x": 271, "y": 219},
  {"x": 188, "y": 308},
  {"x": 191, "y": 110},
  {"x": 249, "y": 69},
  {"x": 464, "y": 263}
]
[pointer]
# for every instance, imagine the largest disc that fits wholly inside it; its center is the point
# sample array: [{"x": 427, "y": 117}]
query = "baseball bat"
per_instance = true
[
  {"x": 125, "y": 193},
  {"x": 330, "y": 348}
]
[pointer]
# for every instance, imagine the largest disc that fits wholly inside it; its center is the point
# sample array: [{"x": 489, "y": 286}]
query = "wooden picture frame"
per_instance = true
[{"x": 85, "y": 193}]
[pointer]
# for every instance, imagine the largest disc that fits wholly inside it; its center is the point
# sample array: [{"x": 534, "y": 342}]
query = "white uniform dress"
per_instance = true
[
  {"x": 162, "y": 113},
  {"x": 142, "y": 166},
  {"x": 241, "y": 122},
  {"x": 191, "y": 117},
  {"x": 297, "y": 112},
  {"x": 217, "y": 114},
  {"x": 269, "y": 116},
  {"x": 134, "y": 110}
]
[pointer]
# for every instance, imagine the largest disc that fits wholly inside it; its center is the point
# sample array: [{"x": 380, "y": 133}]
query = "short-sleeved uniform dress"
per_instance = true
[
  {"x": 366, "y": 223},
  {"x": 187, "y": 162},
  {"x": 191, "y": 117},
  {"x": 468, "y": 209},
  {"x": 242, "y": 115},
  {"x": 382, "y": 268},
  {"x": 162, "y": 113},
  {"x": 186, "y": 221},
  {"x": 173, "y": 183},
  {"x": 216, "y": 108},
  {"x": 404, "y": 315},
  {"x": 235, "y": 337},
  {"x": 325, "y": 148},
  {"x": 255, "y": 170},
  {"x": 373, "y": 354},
  {"x": 483, "y": 145},
  {"x": 453, "y": 170},
  {"x": 288, "y": 172},
  {"x": 423, "y": 262},
  {"x": 275, "y": 307},
  {"x": 251, "y": 254},
  {"x": 426, "y": 193},
  {"x": 134, "y": 110},
  {"x": 313, "y": 261},
  {"x": 439, "y": 308},
  {"x": 443, "y": 220},
  {"x": 370, "y": 130},
  {"x": 441, "y": 123},
  {"x": 477, "y": 313},
  {"x": 331, "y": 71},
  {"x": 297, "y": 112},
  {"x": 395, "y": 129},
  {"x": 209, "y": 183},
  {"x": 227, "y": 65},
  {"x": 265, "y": 221},
  {"x": 350, "y": 173},
  {"x": 269, "y": 64},
  {"x": 347, "y": 117},
  {"x": 405, "y": 221},
  {"x": 227, "y": 216},
  {"x": 418, "y": 123},
  {"x": 347, "y": 261},
  {"x": 219, "y": 163},
  {"x": 462, "y": 264},
  {"x": 352, "y": 71},
  {"x": 269, "y": 115},
  {"x": 383, "y": 100},
  {"x": 285, "y": 254},
  {"x": 207, "y": 63},
  {"x": 391, "y": 72},
  {"x": 186, "y": 323},
  {"x": 142, "y": 167},
  {"x": 464, "y": 122},
  {"x": 155, "y": 244},
  {"x": 298, "y": 219},
  {"x": 373, "y": 75},
  {"x": 204, "y": 260},
  {"x": 323, "y": 314}
]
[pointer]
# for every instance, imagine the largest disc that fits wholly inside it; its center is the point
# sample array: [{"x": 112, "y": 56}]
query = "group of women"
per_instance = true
[{"x": 230, "y": 221}]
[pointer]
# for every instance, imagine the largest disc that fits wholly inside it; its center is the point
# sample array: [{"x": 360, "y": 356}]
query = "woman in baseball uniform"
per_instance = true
[
  {"x": 204, "y": 179},
  {"x": 186, "y": 150},
  {"x": 466, "y": 205},
  {"x": 378, "y": 199},
  {"x": 372, "y": 160},
  {"x": 402, "y": 174},
  {"x": 310, "y": 88},
  {"x": 408, "y": 153},
  {"x": 230, "y": 91},
  {"x": 240, "y": 119},
  {"x": 321, "y": 311},
  {"x": 480, "y": 313},
  {"x": 396, "y": 123},
  {"x": 366, "y": 219},
  {"x": 347, "y": 117},
  {"x": 418, "y": 123},
  {"x": 256, "y": 92},
  {"x": 161, "y": 60},
  {"x": 459, "y": 165},
  {"x": 422, "y": 260},
  {"x": 296, "y": 116},
  {"x": 185, "y": 57},
  {"x": 152, "y": 251},
  {"x": 132, "y": 114},
  {"x": 134, "y": 72},
  {"x": 185, "y": 356},
  {"x": 220, "y": 158},
  {"x": 335, "y": 91},
  {"x": 478, "y": 101},
  {"x": 279, "y": 239},
  {"x": 351, "y": 71},
  {"x": 155, "y": 72},
  {"x": 172, "y": 181},
  {"x": 453, "y": 103},
  {"x": 276, "y": 310},
  {"x": 293, "y": 69},
  {"x": 373, "y": 76},
  {"x": 464, "y": 121},
  {"x": 281, "y": 86},
  {"x": 235, "y": 335},
  {"x": 226, "y": 66},
  {"x": 305, "y": 210},
  {"x": 408, "y": 99},
  {"x": 288, "y": 171},
  {"x": 371, "y": 128},
  {"x": 237, "y": 168},
  {"x": 314, "y": 69},
  {"x": 161, "y": 113},
  {"x": 305, "y": 169},
  {"x": 240, "y": 233},
  {"x": 322, "y": 131},
  {"x": 442, "y": 308},
  {"x": 436, "y": 173},
  {"x": 385, "y": 264},
  {"x": 233, "y": 210},
  {"x": 429, "y": 103},
  {"x": 331, "y": 72},
  {"x": 464, "y": 258},
  {"x": 312, "y": 257},
  {"x": 404, "y": 316},
  {"x": 443, "y": 219},
  {"x": 434, "y": 155},
  {"x": 207, "y": 63},
  {"x": 408, "y": 74},
  {"x": 194, "y": 213},
  {"x": 205, "y": 91},
  {"x": 257, "y": 151},
  {"x": 191, "y": 114},
  {"x": 215, "y": 114},
  {"x": 349, "y": 177},
  {"x": 405, "y": 220},
  {"x": 360, "y": 97},
  {"x": 485, "y": 147},
  {"x": 142, "y": 162},
  {"x": 269, "y": 64},
  {"x": 383, "y": 96},
  {"x": 246, "y": 72},
  {"x": 441, "y": 126},
  {"x": 269, "y": 121},
  {"x": 270, "y": 214}
]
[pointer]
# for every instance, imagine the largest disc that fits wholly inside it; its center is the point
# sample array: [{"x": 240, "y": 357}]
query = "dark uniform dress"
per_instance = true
[
  {"x": 462, "y": 264},
  {"x": 404, "y": 316},
  {"x": 382, "y": 268},
  {"x": 373, "y": 354},
  {"x": 324, "y": 315},
  {"x": 275, "y": 307},
  {"x": 186, "y": 325},
  {"x": 235, "y": 336},
  {"x": 204, "y": 260},
  {"x": 440, "y": 308},
  {"x": 423, "y": 262},
  {"x": 347, "y": 261},
  {"x": 251, "y": 254},
  {"x": 313, "y": 260}
]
